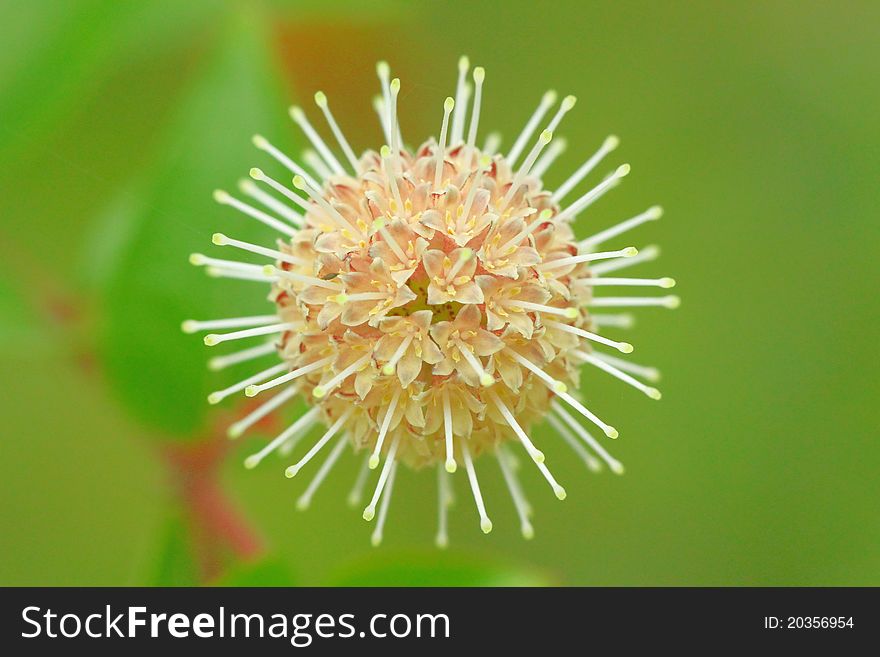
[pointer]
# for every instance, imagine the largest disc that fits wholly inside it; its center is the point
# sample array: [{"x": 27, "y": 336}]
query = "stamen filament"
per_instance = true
[
  {"x": 569, "y": 312},
  {"x": 543, "y": 216},
  {"x": 192, "y": 325},
  {"x": 546, "y": 103},
  {"x": 651, "y": 214},
  {"x": 248, "y": 188},
  {"x": 300, "y": 119},
  {"x": 442, "y": 538},
  {"x": 628, "y": 252},
  {"x": 222, "y": 240},
  {"x": 315, "y": 195},
  {"x": 322, "y": 390},
  {"x": 261, "y": 143},
  {"x": 389, "y": 368},
  {"x": 357, "y": 490},
  {"x": 607, "y": 146},
  {"x": 451, "y": 465},
  {"x": 306, "y": 498},
  {"x": 671, "y": 301},
  {"x": 519, "y": 501},
  {"x": 237, "y": 429},
  {"x": 448, "y": 104},
  {"x": 623, "y": 347},
  {"x": 392, "y": 243},
  {"x": 213, "y": 339},
  {"x": 536, "y": 454},
  {"x": 271, "y": 270},
  {"x": 254, "y": 390},
  {"x": 219, "y": 395},
  {"x": 615, "y": 465},
  {"x": 622, "y": 320},
  {"x": 594, "y": 194},
  {"x": 383, "y": 430},
  {"x": 387, "y": 156},
  {"x": 260, "y": 175},
  {"x": 665, "y": 282},
  {"x": 555, "y": 385},
  {"x": 464, "y": 255},
  {"x": 224, "y": 198},
  {"x": 493, "y": 141},
  {"x": 376, "y": 538},
  {"x": 237, "y": 274},
  {"x": 298, "y": 429},
  {"x": 567, "y": 103},
  {"x": 384, "y": 72},
  {"x": 594, "y": 464},
  {"x": 393, "y": 123},
  {"x": 479, "y": 76},
  {"x": 607, "y": 429},
  {"x": 485, "y": 523},
  {"x": 653, "y": 393},
  {"x": 645, "y": 255},
  {"x": 200, "y": 260},
  {"x": 650, "y": 373},
  {"x": 556, "y": 149},
  {"x": 544, "y": 139},
  {"x": 370, "y": 510},
  {"x": 321, "y": 101},
  {"x": 334, "y": 428},
  {"x": 314, "y": 160},
  {"x": 221, "y": 362},
  {"x": 486, "y": 379},
  {"x": 461, "y": 95}
]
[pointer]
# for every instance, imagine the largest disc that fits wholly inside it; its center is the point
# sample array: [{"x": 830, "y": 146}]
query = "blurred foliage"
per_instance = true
[{"x": 753, "y": 123}]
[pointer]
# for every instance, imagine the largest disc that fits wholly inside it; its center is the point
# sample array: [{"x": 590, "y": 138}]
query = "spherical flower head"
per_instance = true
[{"x": 432, "y": 304}]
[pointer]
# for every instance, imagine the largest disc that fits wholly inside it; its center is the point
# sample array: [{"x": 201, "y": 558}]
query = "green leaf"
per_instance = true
[
  {"x": 160, "y": 372},
  {"x": 433, "y": 569}
]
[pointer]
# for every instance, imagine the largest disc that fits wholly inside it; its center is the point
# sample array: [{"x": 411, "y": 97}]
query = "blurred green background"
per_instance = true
[{"x": 753, "y": 123}]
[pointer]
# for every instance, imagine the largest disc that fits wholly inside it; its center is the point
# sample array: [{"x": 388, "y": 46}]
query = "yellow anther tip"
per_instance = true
[
  {"x": 214, "y": 398},
  {"x": 451, "y": 466},
  {"x": 560, "y": 493},
  {"x": 622, "y": 170},
  {"x": 546, "y": 136},
  {"x": 667, "y": 282},
  {"x": 571, "y": 313},
  {"x": 212, "y": 339},
  {"x": 373, "y": 463},
  {"x": 486, "y": 380},
  {"x": 290, "y": 472},
  {"x": 611, "y": 142},
  {"x": 251, "y": 391},
  {"x": 612, "y": 433},
  {"x": 630, "y": 252},
  {"x": 368, "y": 514},
  {"x": 486, "y": 525},
  {"x": 219, "y": 239},
  {"x": 319, "y": 392},
  {"x": 299, "y": 182},
  {"x": 479, "y": 74},
  {"x": 653, "y": 393},
  {"x": 256, "y": 173},
  {"x": 196, "y": 259},
  {"x": 538, "y": 456},
  {"x": 625, "y": 348},
  {"x": 528, "y": 532},
  {"x": 189, "y": 326},
  {"x": 673, "y": 302},
  {"x": 220, "y": 196},
  {"x": 464, "y": 63},
  {"x": 449, "y": 104},
  {"x": 320, "y": 99},
  {"x": 388, "y": 369},
  {"x": 569, "y": 102},
  {"x": 655, "y": 212},
  {"x": 251, "y": 462}
]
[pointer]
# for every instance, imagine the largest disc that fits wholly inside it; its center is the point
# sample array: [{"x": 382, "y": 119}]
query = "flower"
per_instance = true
[{"x": 431, "y": 304}]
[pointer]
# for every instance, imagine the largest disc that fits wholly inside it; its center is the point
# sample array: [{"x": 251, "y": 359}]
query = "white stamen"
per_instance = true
[
  {"x": 556, "y": 149},
  {"x": 650, "y": 373},
  {"x": 379, "y": 107},
  {"x": 237, "y": 274},
  {"x": 623, "y": 347},
  {"x": 476, "y": 183},
  {"x": 383, "y": 430},
  {"x": 387, "y": 156},
  {"x": 271, "y": 270},
  {"x": 653, "y": 393},
  {"x": 224, "y": 198},
  {"x": 536, "y": 454},
  {"x": 306, "y": 498},
  {"x": 570, "y": 313},
  {"x": 248, "y": 188},
  {"x": 221, "y": 362},
  {"x": 393, "y": 123},
  {"x": 511, "y": 244},
  {"x": 448, "y": 104},
  {"x": 260, "y": 175},
  {"x": 567, "y": 103},
  {"x": 594, "y": 464},
  {"x": 389, "y": 368},
  {"x": 235, "y": 430},
  {"x": 370, "y": 510},
  {"x": 322, "y": 390},
  {"x": 461, "y": 95},
  {"x": 357, "y": 490},
  {"x": 315, "y": 195},
  {"x": 544, "y": 139},
  {"x": 670, "y": 301},
  {"x": 664, "y": 282},
  {"x": 314, "y": 160},
  {"x": 519, "y": 501},
  {"x": 442, "y": 538},
  {"x": 451, "y": 465},
  {"x": 485, "y": 523},
  {"x": 192, "y": 325},
  {"x": 479, "y": 76},
  {"x": 555, "y": 385},
  {"x": 321, "y": 101},
  {"x": 622, "y": 320},
  {"x": 219, "y": 395},
  {"x": 222, "y": 240},
  {"x": 607, "y": 146},
  {"x": 628, "y": 252},
  {"x": 299, "y": 117},
  {"x": 332, "y": 431},
  {"x": 254, "y": 390},
  {"x": 200, "y": 260},
  {"x": 464, "y": 255},
  {"x": 216, "y": 338},
  {"x": 289, "y": 436},
  {"x": 486, "y": 379},
  {"x": 546, "y": 103},
  {"x": 344, "y": 298},
  {"x": 614, "y": 464},
  {"x": 607, "y": 429},
  {"x": 493, "y": 141},
  {"x": 261, "y": 143},
  {"x": 645, "y": 255},
  {"x": 376, "y": 538},
  {"x": 384, "y": 72},
  {"x": 379, "y": 224},
  {"x": 651, "y": 214},
  {"x": 594, "y": 194}
]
